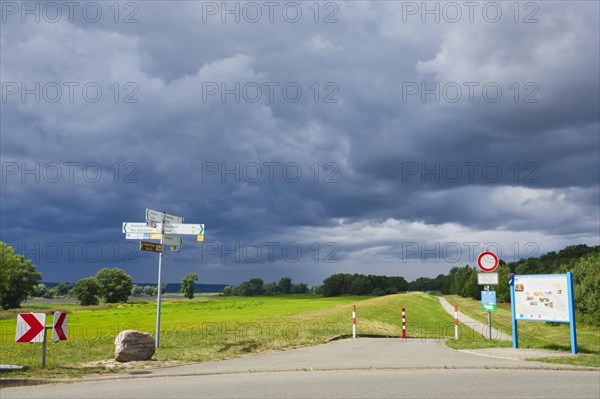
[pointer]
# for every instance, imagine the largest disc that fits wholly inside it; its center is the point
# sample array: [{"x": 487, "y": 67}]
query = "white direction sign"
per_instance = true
[
  {"x": 160, "y": 217},
  {"x": 179, "y": 228},
  {"x": 136, "y": 227},
  {"x": 175, "y": 228},
  {"x": 143, "y": 236},
  {"x": 172, "y": 240}
]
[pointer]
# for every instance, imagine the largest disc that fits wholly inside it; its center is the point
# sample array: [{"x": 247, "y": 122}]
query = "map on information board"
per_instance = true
[{"x": 542, "y": 297}]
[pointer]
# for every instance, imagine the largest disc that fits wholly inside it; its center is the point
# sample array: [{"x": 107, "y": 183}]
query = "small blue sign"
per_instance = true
[
  {"x": 488, "y": 301},
  {"x": 488, "y": 297}
]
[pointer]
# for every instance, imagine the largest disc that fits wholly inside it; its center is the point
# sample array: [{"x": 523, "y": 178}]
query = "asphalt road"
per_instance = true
[
  {"x": 337, "y": 384},
  {"x": 354, "y": 368}
]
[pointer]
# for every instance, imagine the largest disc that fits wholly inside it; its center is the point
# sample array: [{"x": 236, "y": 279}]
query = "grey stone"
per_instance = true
[{"x": 132, "y": 345}]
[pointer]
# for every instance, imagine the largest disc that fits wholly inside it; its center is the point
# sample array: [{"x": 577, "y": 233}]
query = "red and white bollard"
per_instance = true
[
  {"x": 455, "y": 321},
  {"x": 353, "y": 321},
  {"x": 403, "y": 323}
]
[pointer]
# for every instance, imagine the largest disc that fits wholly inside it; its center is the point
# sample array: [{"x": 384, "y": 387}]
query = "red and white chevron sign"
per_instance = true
[
  {"x": 31, "y": 327},
  {"x": 59, "y": 330}
]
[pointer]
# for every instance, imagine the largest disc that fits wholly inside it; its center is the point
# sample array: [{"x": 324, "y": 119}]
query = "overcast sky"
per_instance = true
[{"x": 398, "y": 138}]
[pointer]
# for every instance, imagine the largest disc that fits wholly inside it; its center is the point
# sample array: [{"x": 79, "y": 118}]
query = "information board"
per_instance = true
[{"x": 543, "y": 297}]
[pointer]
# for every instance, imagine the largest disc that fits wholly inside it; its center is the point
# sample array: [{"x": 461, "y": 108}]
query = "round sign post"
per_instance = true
[{"x": 488, "y": 261}]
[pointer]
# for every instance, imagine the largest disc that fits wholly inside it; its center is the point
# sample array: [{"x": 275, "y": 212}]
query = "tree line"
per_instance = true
[
  {"x": 582, "y": 260},
  {"x": 257, "y": 286},
  {"x": 66, "y": 290},
  {"x": 19, "y": 280},
  {"x": 359, "y": 284}
]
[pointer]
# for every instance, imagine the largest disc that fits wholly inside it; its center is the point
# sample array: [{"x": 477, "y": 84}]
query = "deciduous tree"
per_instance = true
[{"x": 18, "y": 278}]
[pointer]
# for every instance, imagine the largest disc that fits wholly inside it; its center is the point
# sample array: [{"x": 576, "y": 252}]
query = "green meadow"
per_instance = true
[
  {"x": 211, "y": 328},
  {"x": 216, "y": 327}
]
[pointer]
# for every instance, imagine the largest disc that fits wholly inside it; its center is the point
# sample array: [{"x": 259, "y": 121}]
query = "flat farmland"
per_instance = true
[{"x": 210, "y": 328}]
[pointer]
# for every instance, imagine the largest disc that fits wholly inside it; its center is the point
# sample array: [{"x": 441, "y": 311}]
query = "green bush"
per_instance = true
[{"x": 586, "y": 276}]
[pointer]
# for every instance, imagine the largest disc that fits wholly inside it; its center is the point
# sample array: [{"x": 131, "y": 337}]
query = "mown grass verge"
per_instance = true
[{"x": 535, "y": 335}]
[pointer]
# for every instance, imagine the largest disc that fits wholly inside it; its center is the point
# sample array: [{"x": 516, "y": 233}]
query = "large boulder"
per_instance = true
[{"x": 132, "y": 345}]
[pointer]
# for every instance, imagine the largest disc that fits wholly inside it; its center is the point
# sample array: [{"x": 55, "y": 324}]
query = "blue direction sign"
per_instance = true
[{"x": 488, "y": 301}]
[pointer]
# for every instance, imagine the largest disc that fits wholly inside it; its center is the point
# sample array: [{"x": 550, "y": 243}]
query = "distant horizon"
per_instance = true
[
  {"x": 310, "y": 284},
  {"x": 139, "y": 284}
]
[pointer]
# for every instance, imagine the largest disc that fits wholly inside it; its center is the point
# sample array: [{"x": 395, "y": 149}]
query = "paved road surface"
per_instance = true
[
  {"x": 337, "y": 384},
  {"x": 351, "y": 368},
  {"x": 479, "y": 327}
]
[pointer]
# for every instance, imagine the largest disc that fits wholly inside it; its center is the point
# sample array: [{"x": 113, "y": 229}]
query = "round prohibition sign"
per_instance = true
[{"x": 488, "y": 261}]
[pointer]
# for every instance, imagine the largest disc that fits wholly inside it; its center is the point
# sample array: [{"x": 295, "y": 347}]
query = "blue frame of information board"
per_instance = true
[{"x": 571, "y": 306}]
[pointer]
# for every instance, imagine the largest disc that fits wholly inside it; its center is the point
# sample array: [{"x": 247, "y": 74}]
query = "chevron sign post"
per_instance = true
[{"x": 31, "y": 327}]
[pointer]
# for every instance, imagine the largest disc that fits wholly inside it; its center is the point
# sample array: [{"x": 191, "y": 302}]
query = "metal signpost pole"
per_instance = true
[
  {"x": 158, "y": 299},
  {"x": 487, "y": 288},
  {"x": 44, "y": 346},
  {"x": 488, "y": 262}
]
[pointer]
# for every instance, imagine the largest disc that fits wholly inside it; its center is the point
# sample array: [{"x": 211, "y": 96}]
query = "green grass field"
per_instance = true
[
  {"x": 211, "y": 328},
  {"x": 218, "y": 327},
  {"x": 539, "y": 335}
]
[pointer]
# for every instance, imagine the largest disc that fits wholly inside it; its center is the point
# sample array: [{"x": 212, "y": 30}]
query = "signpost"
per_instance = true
[
  {"x": 160, "y": 226},
  {"x": 143, "y": 236},
  {"x": 178, "y": 228},
  {"x": 135, "y": 227},
  {"x": 172, "y": 240},
  {"x": 31, "y": 327},
  {"x": 150, "y": 246},
  {"x": 543, "y": 297},
  {"x": 162, "y": 217},
  {"x": 488, "y": 262}
]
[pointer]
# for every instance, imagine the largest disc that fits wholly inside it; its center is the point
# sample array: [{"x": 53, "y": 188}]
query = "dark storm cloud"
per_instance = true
[{"x": 360, "y": 160}]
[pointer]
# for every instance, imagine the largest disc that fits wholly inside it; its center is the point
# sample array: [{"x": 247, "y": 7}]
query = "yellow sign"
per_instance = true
[{"x": 200, "y": 237}]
